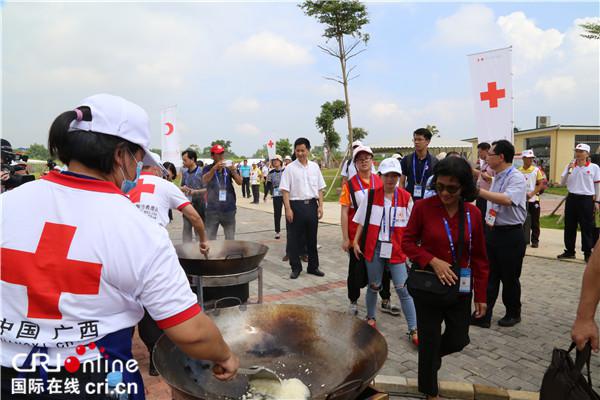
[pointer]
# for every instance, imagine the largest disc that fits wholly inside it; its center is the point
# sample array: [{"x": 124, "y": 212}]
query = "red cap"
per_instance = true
[{"x": 217, "y": 149}]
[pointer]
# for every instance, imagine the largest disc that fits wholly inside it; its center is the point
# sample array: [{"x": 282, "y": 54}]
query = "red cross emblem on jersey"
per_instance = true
[
  {"x": 492, "y": 95},
  {"x": 135, "y": 195},
  {"x": 48, "y": 272}
]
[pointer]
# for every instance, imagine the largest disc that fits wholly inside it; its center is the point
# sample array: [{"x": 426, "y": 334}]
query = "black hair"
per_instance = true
[
  {"x": 460, "y": 169},
  {"x": 191, "y": 154},
  {"x": 484, "y": 146},
  {"x": 302, "y": 141},
  {"x": 505, "y": 148},
  {"x": 169, "y": 166},
  {"x": 595, "y": 158},
  {"x": 95, "y": 150},
  {"x": 452, "y": 154},
  {"x": 200, "y": 163},
  {"x": 426, "y": 133}
]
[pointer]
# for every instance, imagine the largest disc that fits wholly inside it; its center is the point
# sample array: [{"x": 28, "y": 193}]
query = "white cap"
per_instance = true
[
  {"x": 356, "y": 143},
  {"x": 113, "y": 115},
  {"x": 396, "y": 155},
  {"x": 288, "y": 158},
  {"x": 583, "y": 146},
  {"x": 527, "y": 154},
  {"x": 155, "y": 162},
  {"x": 361, "y": 149},
  {"x": 390, "y": 165},
  {"x": 278, "y": 157}
]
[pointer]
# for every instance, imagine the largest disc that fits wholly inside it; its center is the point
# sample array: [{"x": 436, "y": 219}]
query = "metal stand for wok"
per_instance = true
[{"x": 228, "y": 280}]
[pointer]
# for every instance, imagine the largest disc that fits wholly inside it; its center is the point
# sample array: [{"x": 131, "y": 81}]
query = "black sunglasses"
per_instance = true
[{"x": 452, "y": 189}]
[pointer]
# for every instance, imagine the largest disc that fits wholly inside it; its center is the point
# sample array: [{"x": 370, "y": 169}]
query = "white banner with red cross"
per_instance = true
[
  {"x": 491, "y": 82},
  {"x": 271, "y": 147},
  {"x": 170, "y": 136}
]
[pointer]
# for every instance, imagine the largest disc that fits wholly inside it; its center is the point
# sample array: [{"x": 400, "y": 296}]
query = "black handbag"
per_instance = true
[
  {"x": 423, "y": 284},
  {"x": 362, "y": 277},
  {"x": 563, "y": 379}
]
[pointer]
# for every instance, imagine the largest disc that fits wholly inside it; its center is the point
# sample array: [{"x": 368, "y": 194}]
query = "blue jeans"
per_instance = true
[{"x": 399, "y": 274}]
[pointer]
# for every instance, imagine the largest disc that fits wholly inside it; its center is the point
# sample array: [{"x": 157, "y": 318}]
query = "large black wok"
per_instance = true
[
  {"x": 226, "y": 257},
  {"x": 334, "y": 354}
]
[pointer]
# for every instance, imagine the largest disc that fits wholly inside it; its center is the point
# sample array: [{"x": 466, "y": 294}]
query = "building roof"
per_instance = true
[
  {"x": 406, "y": 143},
  {"x": 559, "y": 126}
]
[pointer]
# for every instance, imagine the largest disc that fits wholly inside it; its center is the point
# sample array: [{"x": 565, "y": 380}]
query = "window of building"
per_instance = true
[
  {"x": 592, "y": 140},
  {"x": 541, "y": 149}
]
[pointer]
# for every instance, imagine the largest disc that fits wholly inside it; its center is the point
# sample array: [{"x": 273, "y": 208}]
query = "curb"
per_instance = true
[{"x": 399, "y": 385}]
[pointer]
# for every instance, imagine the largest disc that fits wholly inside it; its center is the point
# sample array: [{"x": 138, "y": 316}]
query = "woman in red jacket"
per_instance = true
[{"x": 431, "y": 242}]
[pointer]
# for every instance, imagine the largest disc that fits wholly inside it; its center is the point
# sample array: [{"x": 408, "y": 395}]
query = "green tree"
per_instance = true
[
  {"x": 358, "y": 134},
  {"x": 261, "y": 153},
  {"x": 330, "y": 111},
  {"x": 157, "y": 151},
  {"x": 38, "y": 152},
  {"x": 434, "y": 130},
  {"x": 283, "y": 147},
  {"x": 592, "y": 30},
  {"x": 342, "y": 18},
  {"x": 225, "y": 143}
]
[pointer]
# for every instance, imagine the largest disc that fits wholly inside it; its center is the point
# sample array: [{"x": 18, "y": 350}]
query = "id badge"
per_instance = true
[
  {"x": 418, "y": 191},
  {"x": 276, "y": 192},
  {"x": 490, "y": 217},
  {"x": 465, "y": 280},
  {"x": 385, "y": 251},
  {"x": 222, "y": 195}
]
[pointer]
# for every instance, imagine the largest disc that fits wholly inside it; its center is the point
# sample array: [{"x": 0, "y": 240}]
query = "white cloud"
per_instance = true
[
  {"x": 245, "y": 104},
  {"x": 247, "y": 129},
  {"x": 471, "y": 25},
  {"x": 271, "y": 48},
  {"x": 383, "y": 110},
  {"x": 556, "y": 86}
]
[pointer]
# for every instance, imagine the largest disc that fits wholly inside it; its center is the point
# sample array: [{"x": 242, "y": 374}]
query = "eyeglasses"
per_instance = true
[
  {"x": 451, "y": 189},
  {"x": 491, "y": 154}
]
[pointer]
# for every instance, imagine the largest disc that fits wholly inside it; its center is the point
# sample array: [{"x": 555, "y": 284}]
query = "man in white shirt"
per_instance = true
[
  {"x": 583, "y": 183},
  {"x": 302, "y": 187}
]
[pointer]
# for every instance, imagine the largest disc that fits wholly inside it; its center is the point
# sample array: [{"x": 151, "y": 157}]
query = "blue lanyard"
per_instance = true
[
  {"x": 449, "y": 233},
  {"x": 422, "y": 172},
  {"x": 372, "y": 183},
  {"x": 392, "y": 222},
  {"x": 224, "y": 179}
]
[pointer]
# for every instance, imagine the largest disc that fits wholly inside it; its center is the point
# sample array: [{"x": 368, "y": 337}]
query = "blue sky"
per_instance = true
[{"x": 250, "y": 71}]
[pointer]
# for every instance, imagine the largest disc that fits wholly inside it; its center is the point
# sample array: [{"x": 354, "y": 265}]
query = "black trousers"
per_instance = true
[
  {"x": 303, "y": 230},
  {"x": 531, "y": 227},
  {"x": 265, "y": 189},
  {"x": 354, "y": 283},
  {"x": 149, "y": 331},
  {"x": 506, "y": 249},
  {"x": 255, "y": 193},
  {"x": 579, "y": 209},
  {"x": 246, "y": 187},
  {"x": 277, "y": 207},
  {"x": 433, "y": 345},
  {"x": 188, "y": 229},
  {"x": 482, "y": 205}
]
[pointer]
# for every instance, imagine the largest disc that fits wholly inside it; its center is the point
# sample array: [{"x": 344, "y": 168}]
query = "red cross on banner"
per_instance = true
[
  {"x": 492, "y": 95},
  {"x": 271, "y": 149},
  {"x": 48, "y": 273},
  {"x": 270, "y": 144},
  {"x": 135, "y": 195}
]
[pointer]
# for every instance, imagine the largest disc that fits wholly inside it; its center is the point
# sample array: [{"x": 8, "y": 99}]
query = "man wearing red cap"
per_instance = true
[{"x": 220, "y": 194}]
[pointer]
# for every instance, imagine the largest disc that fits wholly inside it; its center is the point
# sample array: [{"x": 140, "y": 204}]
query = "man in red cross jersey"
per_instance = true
[{"x": 76, "y": 278}]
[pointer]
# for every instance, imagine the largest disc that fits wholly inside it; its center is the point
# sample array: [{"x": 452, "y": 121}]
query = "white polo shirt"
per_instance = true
[
  {"x": 581, "y": 180},
  {"x": 302, "y": 182},
  {"x": 155, "y": 196}
]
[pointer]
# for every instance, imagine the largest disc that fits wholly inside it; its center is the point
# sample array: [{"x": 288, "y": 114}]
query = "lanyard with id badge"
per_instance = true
[
  {"x": 490, "y": 216},
  {"x": 465, "y": 272},
  {"x": 222, "y": 190},
  {"x": 385, "y": 251},
  {"x": 418, "y": 188}
]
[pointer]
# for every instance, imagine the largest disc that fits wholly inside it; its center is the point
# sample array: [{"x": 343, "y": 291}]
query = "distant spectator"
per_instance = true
[{"x": 417, "y": 167}]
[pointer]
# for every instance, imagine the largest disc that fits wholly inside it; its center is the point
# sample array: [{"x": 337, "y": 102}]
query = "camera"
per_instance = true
[{"x": 8, "y": 156}]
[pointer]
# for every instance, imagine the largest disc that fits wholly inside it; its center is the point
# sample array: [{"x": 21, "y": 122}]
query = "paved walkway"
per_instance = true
[{"x": 512, "y": 358}]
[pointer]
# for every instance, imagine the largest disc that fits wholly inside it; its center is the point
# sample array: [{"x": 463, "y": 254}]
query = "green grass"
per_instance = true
[
  {"x": 559, "y": 190},
  {"x": 550, "y": 221}
]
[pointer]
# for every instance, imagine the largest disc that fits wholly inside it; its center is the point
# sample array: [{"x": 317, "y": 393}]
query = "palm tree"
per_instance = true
[{"x": 433, "y": 129}]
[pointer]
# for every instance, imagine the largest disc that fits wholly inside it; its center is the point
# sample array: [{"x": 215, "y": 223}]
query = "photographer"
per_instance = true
[{"x": 11, "y": 175}]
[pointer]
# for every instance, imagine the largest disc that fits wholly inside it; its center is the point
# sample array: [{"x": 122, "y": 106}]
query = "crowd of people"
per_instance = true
[{"x": 447, "y": 234}]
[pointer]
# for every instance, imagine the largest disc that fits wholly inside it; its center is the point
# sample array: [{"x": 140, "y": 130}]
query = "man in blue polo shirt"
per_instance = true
[
  {"x": 417, "y": 167},
  {"x": 245, "y": 172},
  {"x": 220, "y": 199}
]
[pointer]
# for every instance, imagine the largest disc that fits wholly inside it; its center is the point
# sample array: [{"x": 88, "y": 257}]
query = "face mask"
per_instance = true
[{"x": 127, "y": 185}]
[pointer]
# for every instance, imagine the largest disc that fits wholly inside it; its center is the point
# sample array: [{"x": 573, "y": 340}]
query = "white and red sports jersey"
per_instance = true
[
  {"x": 79, "y": 262},
  {"x": 155, "y": 196}
]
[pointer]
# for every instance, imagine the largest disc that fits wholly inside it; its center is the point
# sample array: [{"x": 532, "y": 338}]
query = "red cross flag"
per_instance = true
[
  {"x": 170, "y": 136},
  {"x": 271, "y": 146},
  {"x": 491, "y": 82}
]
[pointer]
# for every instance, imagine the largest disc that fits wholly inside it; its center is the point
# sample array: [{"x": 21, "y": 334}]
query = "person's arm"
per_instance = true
[
  {"x": 495, "y": 197},
  {"x": 320, "y": 209},
  {"x": 584, "y": 327},
  {"x": 236, "y": 177},
  {"x": 344, "y": 222},
  {"x": 199, "y": 338},
  {"x": 413, "y": 235},
  {"x": 479, "y": 263},
  {"x": 402, "y": 181},
  {"x": 536, "y": 190},
  {"x": 208, "y": 175},
  {"x": 356, "y": 245},
  {"x": 289, "y": 214},
  {"x": 565, "y": 175},
  {"x": 192, "y": 215}
]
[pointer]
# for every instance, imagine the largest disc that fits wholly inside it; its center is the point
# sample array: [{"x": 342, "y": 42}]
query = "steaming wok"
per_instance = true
[
  {"x": 226, "y": 257},
  {"x": 335, "y": 354}
]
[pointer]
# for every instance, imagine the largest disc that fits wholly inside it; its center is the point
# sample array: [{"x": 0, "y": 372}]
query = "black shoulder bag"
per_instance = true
[
  {"x": 423, "y": 284},
  {"x": 563, "y": 379},
  {"x": 362, "y": 278}
]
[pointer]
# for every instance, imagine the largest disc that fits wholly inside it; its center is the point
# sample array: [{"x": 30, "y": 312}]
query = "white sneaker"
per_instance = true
[{"x": 353, "y": 309}]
